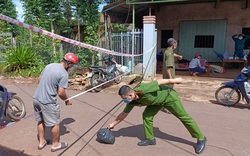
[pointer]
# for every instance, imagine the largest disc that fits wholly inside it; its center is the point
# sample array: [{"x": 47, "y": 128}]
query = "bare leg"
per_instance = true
[
  {"x": 55, "y": 136},
  {"x": 195, "y": 74},
  {"x": 41, "y": 130}
]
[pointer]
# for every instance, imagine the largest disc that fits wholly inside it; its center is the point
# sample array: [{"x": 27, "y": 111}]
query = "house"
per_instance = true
[{"x": 199, "y": 25}]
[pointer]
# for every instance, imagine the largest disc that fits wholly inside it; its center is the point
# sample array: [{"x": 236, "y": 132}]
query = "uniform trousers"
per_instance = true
[{"x": 174, "y": 105}]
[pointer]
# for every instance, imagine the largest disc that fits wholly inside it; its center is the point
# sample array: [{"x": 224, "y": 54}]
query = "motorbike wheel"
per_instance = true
[
  {"x": 16, "y": 108},
  {"x": 226, "y": 95},
  {"x": 94, "y": 82},
  {"x": 119, "y": 79}
]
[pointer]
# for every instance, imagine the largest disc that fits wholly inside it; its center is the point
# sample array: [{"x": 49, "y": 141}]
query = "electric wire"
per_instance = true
[
  {"x": 151, "y": 49},
  {"x": 222, "y": 149},
  {"x": 90, "y": 128},
  {"x": 118, "y": 107},
  {"x": 138, "y": 84},
  {"x": 2, "y": 127},
  {"x": 96, "y": 132},
  {"x": 127, "y": 15}
]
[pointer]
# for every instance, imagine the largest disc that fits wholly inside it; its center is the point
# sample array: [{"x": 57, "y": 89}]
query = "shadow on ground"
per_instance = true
[
  {"x": 6, "y": 121},
  {"x": 137, "y": 131},
  {"x": 63, "y": 129},
  {"x": 238, "y": 105},
  {"x": 4, "y": 151}
]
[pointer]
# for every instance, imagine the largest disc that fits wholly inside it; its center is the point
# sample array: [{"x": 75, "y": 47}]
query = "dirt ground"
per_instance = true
[
  {"x": 197, "y": 95},
  {"x": 194, "y": 89}
]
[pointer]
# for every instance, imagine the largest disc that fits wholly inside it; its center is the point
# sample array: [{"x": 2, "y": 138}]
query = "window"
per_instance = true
[
  {"x": 246, "y": 31},
  {"x": 204, "y": 41},
  {"x": 165, "y": 35}
]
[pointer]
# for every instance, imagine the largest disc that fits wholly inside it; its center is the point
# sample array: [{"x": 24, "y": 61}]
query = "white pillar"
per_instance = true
[{"x": 149, "y": 47}]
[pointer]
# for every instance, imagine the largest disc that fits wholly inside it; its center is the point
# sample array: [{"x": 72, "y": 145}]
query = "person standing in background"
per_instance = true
[
  {"x": 168, "y": 70},
  {"x": 239, "y": 40},
  {"x": 168, "y": 59}
]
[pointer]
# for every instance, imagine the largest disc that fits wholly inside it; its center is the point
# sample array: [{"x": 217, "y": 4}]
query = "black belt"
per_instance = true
[{"x": 170, "y": 89}]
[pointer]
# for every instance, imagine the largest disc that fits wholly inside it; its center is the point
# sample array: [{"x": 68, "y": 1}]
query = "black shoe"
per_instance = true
[
  {"x": 146, "y": 142},
  {"x": 201, "y": 144}
]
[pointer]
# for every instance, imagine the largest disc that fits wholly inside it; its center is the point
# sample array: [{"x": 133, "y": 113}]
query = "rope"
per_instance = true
[
  {"x": 84, "y": 45},
  {"x": 65, "y": 39},
  {"x": 151, "y": 49},
  {"x": 12, "y": 123},
  {"x": 90, "y": 129}
]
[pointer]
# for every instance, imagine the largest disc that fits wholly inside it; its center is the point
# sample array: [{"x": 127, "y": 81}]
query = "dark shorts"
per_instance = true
[
  {"x": 196, "y": 69},
  {"x": 48, "y": 113}
]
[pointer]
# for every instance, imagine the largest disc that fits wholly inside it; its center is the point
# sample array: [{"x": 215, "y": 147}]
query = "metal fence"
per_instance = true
[
  {"x": 123, "y": 42},
  {"x": 6, "y": 41}
]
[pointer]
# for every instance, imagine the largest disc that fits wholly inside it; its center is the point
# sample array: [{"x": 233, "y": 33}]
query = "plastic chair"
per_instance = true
[{"x": 205, "y": 63}]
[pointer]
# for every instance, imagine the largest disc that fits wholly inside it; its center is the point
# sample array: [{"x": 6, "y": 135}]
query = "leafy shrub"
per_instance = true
[{"x": 23, "y": 59}]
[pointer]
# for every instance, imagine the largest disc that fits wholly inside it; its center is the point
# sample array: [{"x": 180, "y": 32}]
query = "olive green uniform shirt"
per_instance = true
[
  {"x": 152, "y": 94},
  {"x": 168, "y": 61}
]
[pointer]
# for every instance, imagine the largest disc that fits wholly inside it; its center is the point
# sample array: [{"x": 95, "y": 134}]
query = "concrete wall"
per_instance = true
[{"x": 169, "y": 17}]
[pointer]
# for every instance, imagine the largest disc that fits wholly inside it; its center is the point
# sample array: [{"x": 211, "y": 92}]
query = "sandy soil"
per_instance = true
[{"x": 194, "y": 89}]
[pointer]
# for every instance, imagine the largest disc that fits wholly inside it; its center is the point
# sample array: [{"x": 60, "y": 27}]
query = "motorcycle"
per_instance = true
[
  {"x": 230, "y": 93},
  {"x": 101, "y": 74},
  {"x": 11, "y": 105}
]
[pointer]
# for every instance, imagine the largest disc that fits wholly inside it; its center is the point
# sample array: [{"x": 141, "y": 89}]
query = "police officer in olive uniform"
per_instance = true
[
  {"x": 168, "y": 71},
  {"x": 156, "y": 95}
]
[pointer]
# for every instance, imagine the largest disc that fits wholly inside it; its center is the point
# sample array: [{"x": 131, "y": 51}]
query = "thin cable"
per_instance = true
[
  {"x": 103, "y": 117},
  {"x": 151, "y": 49},
  {"x": 90, "y": 128},
  {"x": 127, "y": 15},
  {"x": 12, "y": 123},
  {"x": 96, "y": 132},
  {"x": 222, "y": 149},
  {"x": 148, "y": 61},
  {"x": 96, "y": 86},
  {"x": 23, "y": 90}
]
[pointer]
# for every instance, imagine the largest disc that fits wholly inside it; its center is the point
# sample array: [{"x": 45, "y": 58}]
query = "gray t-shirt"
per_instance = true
[{"x": 54, "y": 76}]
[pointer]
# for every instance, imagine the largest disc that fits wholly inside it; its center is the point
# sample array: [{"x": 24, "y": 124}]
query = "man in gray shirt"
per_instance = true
[{"x": 52, "y": 82}]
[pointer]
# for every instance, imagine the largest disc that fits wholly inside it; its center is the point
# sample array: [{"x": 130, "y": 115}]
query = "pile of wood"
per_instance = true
[{"x": 79, "y": 82}]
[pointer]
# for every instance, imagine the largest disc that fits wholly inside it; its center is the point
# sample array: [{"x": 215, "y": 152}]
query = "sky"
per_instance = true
[
  {"x": 20, "y": 12},
  {"x": 19, "y": 9}
]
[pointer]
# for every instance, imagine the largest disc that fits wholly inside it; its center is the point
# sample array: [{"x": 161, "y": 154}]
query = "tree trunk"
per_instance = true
[
  {"x": 79, "y": 31},
  {"x": 53, "y": 40},
  {"x": 31, "y": 38}
]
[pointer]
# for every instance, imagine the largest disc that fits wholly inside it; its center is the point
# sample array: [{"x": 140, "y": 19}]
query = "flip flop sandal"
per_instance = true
[
  {"x": 40, "y": 148},
  {"x": 63, "y": 145}
]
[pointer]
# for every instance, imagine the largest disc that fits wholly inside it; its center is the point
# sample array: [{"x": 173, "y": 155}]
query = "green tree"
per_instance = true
[
  {"x": 67, "y": 15},
  {"x": 86, "y": 13},
  {"x": 60, "y": 16},
  {"x": 44, "y": 14},
  {"x": 8, "y": 8}
]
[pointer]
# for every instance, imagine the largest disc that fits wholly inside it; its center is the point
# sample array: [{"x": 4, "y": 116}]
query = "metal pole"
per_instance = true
[
  {"x": 106, "y": 36},
  {"x": 105, "y": 29},
  {"x": 122, "y": 50},
  {"x": 133, "y": 39}
]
